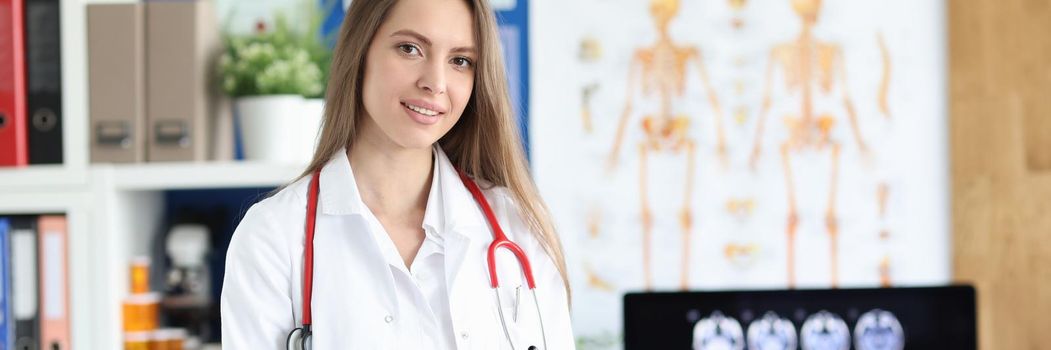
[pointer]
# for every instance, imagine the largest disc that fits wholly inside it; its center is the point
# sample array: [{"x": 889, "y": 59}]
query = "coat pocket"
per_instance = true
[{"x": 521, "y": 317}]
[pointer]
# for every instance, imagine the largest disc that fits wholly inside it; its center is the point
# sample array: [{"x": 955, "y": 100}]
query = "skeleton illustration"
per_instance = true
[
  {"x": 661, "y": 70},
  {"x": 810, "y": 68},
  {"x": 585, "y": 114}
]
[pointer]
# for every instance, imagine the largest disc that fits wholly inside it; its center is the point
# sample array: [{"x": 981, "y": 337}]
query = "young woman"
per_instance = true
[{"x": 388, "y": 232}]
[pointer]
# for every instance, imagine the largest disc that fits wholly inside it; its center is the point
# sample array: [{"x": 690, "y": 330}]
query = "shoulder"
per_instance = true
[
  {"x": 502, "y": 200},
  {"x": 274, "y": 222},
  {"x": 292, "y": 196},
  {"x": 512, "y": 217},
  {"x": 508, "y": 211},
  {"x": 493, "y": 192}
]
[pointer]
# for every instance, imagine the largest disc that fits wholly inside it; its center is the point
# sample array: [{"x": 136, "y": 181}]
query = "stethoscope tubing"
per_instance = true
[{"x": 301, "y": 335}]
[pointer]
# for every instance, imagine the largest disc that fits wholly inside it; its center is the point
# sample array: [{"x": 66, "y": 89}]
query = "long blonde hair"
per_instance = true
[{"x": 484, "y": 143}]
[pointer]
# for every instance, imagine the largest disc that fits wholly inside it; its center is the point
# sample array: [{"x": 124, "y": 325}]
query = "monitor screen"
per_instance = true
[{"x": 811, "y": 319}]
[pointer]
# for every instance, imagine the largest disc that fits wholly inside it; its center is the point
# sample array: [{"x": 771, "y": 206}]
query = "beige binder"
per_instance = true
[
  {"x": 53, "y": 259},
  {"x": 182, "y": 43},
  {"x": 116, "y": 83}
]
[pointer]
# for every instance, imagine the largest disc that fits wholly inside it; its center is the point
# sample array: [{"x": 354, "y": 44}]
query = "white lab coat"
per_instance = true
[{"x": 353, "y": 292}]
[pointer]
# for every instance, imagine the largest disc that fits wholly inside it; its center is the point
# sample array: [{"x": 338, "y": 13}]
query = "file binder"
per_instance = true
[
  {"x": 7, "y": 327},
  {"x": 24, "y": 282},
  {"x": 43, "y": 47},
  {"x": 117, "y": 82},
  {"x": 54, "y": 281},
  {"x": 13, "y": 144},
  {"x": 182, "y": 42}
]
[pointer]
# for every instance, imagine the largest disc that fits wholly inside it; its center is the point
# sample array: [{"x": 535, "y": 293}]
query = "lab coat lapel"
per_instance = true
[
  {"x": 351, "y": 277},
  {"x": 466, "y": 241},
  {"x": 346, "y": 258},
  {"x": 464, "y": 222}
]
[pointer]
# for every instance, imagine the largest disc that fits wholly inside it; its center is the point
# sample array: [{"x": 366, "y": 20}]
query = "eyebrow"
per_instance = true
[{"x": 425, "y": 41}]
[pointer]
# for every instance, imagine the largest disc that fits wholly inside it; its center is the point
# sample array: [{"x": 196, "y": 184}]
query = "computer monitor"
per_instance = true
[{"x": 808, "y": 319}]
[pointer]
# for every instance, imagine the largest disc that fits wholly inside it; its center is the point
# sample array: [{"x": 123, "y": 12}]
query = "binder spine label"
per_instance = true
[{"x": 54, "y": 298}]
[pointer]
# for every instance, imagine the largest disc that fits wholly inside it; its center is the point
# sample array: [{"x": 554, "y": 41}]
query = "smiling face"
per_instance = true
[{"x": 419, "y": 73}]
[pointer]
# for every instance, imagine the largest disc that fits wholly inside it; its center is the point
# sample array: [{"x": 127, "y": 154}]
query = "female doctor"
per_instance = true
[{"x": 388, "y": 233}]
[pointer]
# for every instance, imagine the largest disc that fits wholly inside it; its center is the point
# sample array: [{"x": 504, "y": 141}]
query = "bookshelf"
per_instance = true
[{"x": 113, "y": 209}]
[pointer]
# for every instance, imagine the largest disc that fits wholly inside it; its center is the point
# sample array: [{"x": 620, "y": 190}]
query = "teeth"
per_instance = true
[{"x": 422, "y": 110}]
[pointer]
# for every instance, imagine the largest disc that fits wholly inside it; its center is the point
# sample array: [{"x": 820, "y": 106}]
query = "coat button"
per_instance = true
[
  {"x": 464, "y": 335},
  {"x": 388, "y": 319}
]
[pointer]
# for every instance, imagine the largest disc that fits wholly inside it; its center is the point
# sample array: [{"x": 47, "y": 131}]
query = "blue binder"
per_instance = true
[{"x": 6, "y": 326}]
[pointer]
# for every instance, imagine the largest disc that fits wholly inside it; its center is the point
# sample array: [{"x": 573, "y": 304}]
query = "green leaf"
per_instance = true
[{"x": 282, "y": 60}]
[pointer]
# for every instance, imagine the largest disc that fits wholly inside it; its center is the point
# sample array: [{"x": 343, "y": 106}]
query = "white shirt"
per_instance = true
[
  {"x": 426, "y": 323},
  {"x": 364, "y": 297}
]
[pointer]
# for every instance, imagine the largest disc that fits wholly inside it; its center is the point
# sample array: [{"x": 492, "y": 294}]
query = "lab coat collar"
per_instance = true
[
  {"x": 434, "y": 214},
  {"x": 450, "y": 206},
  {"x": 461, "y": 212},
  {"x": 339, "y": 191},
  {"x": 451, "y": 211},
  {"x": 465, "y": 229}
]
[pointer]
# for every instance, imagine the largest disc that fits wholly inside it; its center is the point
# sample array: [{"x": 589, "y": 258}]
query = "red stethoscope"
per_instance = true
[{"x": 299, "y": 338}]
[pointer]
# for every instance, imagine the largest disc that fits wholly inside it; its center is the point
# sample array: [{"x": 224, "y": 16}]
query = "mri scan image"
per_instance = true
[
  {"x": 824, "y": 331},
  {"x": 718, "y": 332},
  {"x": 878, "y": 330},
  {"x": 771, "y": 332}
]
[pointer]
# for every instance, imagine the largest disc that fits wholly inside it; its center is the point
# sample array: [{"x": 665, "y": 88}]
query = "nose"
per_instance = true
[{"x": 432, "y": 79}]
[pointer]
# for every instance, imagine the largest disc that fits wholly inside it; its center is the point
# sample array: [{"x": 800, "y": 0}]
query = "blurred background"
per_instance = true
[{"x": 686, "y": 148}]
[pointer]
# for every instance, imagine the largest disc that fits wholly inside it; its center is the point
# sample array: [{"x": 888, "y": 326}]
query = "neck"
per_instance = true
[{"x": 393, "y": 181}]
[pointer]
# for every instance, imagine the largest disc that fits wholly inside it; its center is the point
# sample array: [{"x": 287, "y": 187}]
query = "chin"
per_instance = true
[{"x": 416, "y": 140}]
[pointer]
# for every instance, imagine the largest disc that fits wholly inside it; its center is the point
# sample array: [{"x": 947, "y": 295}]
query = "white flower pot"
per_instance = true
[
  {"x": 313, "y": 113},
  {"x": 278, "y": 128}
]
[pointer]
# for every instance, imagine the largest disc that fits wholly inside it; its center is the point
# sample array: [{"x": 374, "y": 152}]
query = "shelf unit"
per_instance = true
[
  {"x": 177, "y": 176},
  {"x": 127, "y": 210},
  {"x": 112, "y": 208}
]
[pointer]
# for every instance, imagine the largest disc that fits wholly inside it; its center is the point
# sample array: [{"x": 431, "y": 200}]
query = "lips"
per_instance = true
[
  {"x": 420, "y": 110},
  {"x": 423, "y": 112},
  {"x": 431, "y": 117},
  {"x": 424, "y": 104}
]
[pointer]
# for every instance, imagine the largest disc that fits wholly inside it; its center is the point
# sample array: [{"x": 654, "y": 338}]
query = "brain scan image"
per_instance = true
[
  {"x": 879, "y": 330},
  {"x": 718, "y": 332},
  {"x": 771, "y": 332},
  {"x": 824, "y": 331}
]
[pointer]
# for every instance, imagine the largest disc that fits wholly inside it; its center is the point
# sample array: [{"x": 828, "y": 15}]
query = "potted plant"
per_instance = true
[{"x": 269, "y": 73}]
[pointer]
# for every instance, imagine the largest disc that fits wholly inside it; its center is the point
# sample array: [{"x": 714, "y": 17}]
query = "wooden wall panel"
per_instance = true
[{"x": 1000, "y": 134}]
